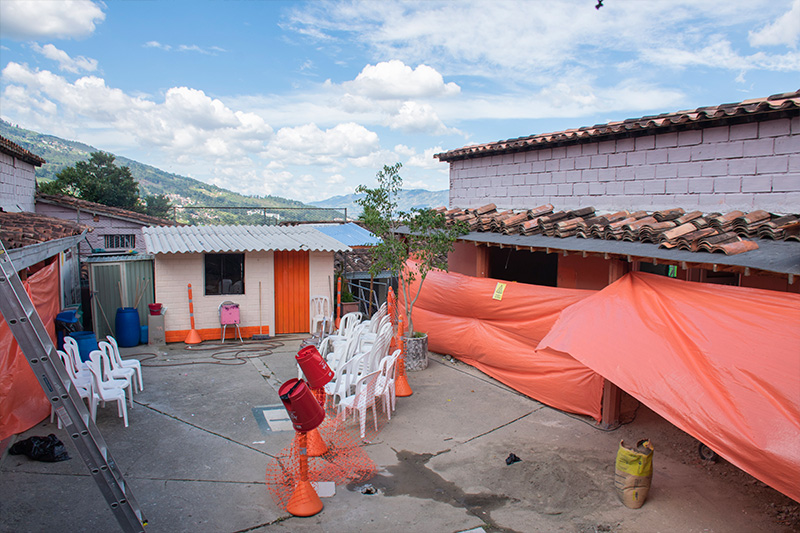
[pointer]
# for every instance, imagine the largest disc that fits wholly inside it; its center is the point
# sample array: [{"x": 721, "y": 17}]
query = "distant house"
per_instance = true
[
  {"x": 17, "y": 176},
  {"x": 270, "y": 271},
  {"x": 114, "y": 230}
]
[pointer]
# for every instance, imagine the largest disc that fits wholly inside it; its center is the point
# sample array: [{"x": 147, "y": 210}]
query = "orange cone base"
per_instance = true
[
  {"x": 401, "y": 387},
  {"x": 193, "y": 337},
  {"x": 304, "y": 500},
  {"x": 316, "y": 447}
]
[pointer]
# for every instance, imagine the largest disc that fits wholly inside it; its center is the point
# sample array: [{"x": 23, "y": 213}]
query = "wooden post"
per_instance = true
[{"x": 612, "y": 395}]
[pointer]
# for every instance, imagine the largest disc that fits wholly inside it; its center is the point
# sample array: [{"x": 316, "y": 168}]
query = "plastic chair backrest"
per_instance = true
[{"x": 228, "y": 313}]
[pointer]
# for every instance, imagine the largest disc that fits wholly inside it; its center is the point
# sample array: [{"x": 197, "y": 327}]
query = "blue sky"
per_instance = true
[{"x": 307, "y": 100}]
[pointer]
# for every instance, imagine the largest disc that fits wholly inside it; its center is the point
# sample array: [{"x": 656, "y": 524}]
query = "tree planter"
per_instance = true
[
  {"x": 416, "y": 353},
  {"x": 349, "y": 307}
]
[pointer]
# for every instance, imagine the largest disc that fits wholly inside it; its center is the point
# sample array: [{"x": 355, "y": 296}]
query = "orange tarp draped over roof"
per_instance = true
[
  {"x": 499, "y": 337},
  {"x": 23, "y": 403},
  {"x": 721, "y": 363}
]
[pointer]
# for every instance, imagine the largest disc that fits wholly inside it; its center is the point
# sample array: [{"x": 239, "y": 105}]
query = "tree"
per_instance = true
[
  {"x": 157, "y": 205},
  {"x": 427, "y": 241},
  {"x": 97, "y": 180}
]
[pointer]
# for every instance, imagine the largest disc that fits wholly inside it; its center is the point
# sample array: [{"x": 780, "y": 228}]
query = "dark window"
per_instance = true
[
  {"x": 112, "y": 242},
  {"x": 535, "y": 268},
  {"x": 224, "y": 273}
]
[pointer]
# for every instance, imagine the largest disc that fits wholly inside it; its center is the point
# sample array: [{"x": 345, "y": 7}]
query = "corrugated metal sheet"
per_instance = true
[
  {"x": 199, "y": 239},
  {"x": 350, "y": 234}
]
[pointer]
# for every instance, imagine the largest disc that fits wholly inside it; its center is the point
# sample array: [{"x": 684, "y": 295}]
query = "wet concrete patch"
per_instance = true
[{"x": 412, "y": 477}]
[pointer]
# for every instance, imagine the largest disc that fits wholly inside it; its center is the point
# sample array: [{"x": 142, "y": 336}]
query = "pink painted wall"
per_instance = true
[
  {"x": 744, "y": 166},
  {"x": 102, "y": 224}
]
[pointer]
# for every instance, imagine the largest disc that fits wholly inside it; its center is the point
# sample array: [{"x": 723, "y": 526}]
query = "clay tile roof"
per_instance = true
[
  {"x": 15, "y": 150},
  {"x": 92, "y": 207},
  {"x": 777, "y": 103},
  {"x": 670, "y": 228},
  {"x": 23, "y": 229}
]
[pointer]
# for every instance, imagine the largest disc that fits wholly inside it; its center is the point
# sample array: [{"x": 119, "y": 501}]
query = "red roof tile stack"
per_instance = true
[
  {"x": 23, "y": 229},
  {"x": 669, "y": 228}
]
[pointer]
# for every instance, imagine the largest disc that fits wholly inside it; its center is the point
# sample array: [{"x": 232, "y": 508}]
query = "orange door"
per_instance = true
[{"x": 291, "y": 292}]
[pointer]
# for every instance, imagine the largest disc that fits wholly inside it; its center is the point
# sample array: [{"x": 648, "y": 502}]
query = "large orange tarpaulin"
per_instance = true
[
  {"x": 499, "y": 337},
  {"x": 22, "y": 401},
  {"x": 721, "y": 363}
]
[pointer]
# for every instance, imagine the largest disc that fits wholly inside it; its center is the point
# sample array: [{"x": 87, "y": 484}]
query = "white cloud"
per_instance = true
[
  {"x": 414, "y": 117},
  {"x": 65, "y": 62},
  {"x": 427, "y": 161},
  {"x": 524, "y": 43},
  {"x": 784, "y": 30},
  {"x": 395, "y": 80},
  {"x": 156, "y": 44},
  {"x": 308, "y": 144},
  {"x": 59, "y": 19},
  {"x": 187, "y": 121}
]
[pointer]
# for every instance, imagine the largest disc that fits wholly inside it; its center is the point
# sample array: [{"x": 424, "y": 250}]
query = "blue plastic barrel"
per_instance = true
[
  {"x": 127, "y": 327},
  {"x": 86, "y": 342}
]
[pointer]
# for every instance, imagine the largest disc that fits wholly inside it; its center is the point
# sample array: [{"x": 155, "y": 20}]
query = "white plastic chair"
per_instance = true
[
  {"x": 321, "y": 316},
  {"x": 385, "y": 387},
  {"x": 107, "y": 389},
  {"x": 113, "y": 372},
  {"x": 378, "y": 349},
  {"x": 83, "y": 387},
  {"x": 362, "y": 400},
  {"x": 344, "y": 378},
  {"x": 127, "y": 363},
  {"x": 71, "y": 347}
]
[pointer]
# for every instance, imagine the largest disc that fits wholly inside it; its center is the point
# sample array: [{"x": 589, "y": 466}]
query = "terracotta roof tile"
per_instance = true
[
  {"x": 669, "y": 228},
  {"x": 12, "y": 148},
  {"x": 93, "y": 207},
  {"x": 774, "y": 104},
  {"x": 23, "y": 229}
]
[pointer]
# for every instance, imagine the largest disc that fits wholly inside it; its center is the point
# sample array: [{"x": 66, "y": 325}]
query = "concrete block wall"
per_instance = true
[
  {"x": 102, "y": 224},
  {"x": 738, "y": 167},
  {"x": 17, "y": 184}
]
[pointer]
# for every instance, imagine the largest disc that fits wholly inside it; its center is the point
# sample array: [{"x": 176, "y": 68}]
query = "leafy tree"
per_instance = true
[
  {"x": 97, "y": 180},
  {"x": 427, "y": 241},
  {"x": 157, "y": 205}
]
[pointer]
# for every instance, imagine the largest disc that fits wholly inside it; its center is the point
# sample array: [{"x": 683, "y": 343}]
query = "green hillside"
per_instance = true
[
  {"x": 182, "y": 191},
  {"x": 419, "y": 198}
]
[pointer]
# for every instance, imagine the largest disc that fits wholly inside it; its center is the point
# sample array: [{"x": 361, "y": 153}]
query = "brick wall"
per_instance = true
[
  {"x": 744, "y": 166},
  {"x": 102, "y": 224},
  {"x": 17, "y": 184}
]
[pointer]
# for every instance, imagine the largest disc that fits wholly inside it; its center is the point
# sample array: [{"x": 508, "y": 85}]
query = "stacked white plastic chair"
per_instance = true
[
  {"x": 108, "y": 389},
  {"x": 83, "y": 385},
  {"x": 116, "y": 373},
  {"x": 361, "y": 400},
  {"x": 321, "y": 315},
  {"x": 385, "y": 386},
  {"x": 127, "y": 363}
]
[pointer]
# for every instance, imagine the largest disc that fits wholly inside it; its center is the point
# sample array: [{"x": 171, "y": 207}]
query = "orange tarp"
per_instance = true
[
  {"x": 721, "y": 363},
  {"x": 23, "y": 403},
  {"x": 499, "y": 337}
]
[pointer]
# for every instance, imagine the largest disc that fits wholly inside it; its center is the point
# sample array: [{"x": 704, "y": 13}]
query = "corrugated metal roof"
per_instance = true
[
  {"x": 198, "y": 239},
  {"x": 350, "y": 234}
]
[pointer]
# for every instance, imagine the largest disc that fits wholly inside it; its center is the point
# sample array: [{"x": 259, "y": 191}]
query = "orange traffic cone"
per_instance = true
[
  {"x": 402, "y": 388},
  {"x": 304, "y": 500}
]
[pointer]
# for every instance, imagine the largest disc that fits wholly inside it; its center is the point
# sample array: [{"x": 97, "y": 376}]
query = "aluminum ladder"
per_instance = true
[{"x": 27, "y": 327}]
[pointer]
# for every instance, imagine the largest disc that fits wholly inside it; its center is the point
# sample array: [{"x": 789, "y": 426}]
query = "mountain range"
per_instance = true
[{"x": 190, "y": 194}]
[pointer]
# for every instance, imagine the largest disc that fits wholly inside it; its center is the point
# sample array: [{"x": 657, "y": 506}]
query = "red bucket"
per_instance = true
[
  {"x": 317, "y": 372},
  {"x": 304, "y": 410},
  {"x": 155, "y": 309}
]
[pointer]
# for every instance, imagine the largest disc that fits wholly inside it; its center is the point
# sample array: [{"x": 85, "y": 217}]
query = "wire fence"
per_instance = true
[{"x": 255, "y": 215}]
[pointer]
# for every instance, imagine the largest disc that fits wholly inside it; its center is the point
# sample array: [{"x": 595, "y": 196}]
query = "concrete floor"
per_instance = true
[{"x": 195, "y": 458}]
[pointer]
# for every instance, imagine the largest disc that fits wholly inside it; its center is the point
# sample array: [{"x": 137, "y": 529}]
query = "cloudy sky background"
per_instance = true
[{"x": 306, "y": 100}]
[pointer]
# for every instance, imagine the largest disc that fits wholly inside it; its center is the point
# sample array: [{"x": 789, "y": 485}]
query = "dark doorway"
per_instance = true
[{"x": 536, "y": 268}]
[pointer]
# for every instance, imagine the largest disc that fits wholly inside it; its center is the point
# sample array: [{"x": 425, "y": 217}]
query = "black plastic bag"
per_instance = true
[{"x": 48, "y": 449}]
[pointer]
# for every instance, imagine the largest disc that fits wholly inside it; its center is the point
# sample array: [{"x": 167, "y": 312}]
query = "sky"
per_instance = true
[{"x": 308, "y": 100}]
